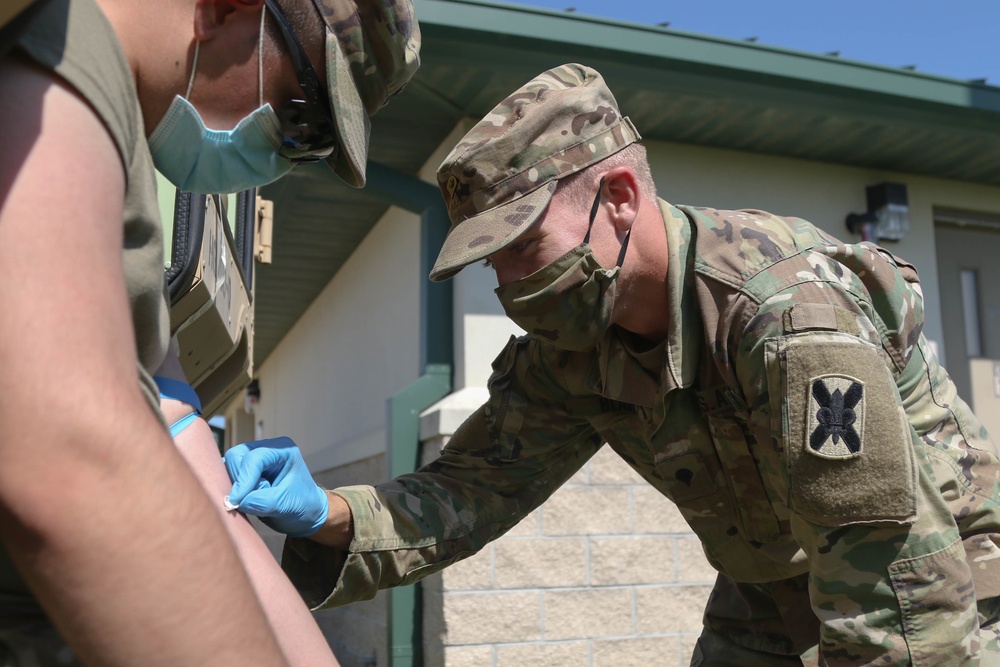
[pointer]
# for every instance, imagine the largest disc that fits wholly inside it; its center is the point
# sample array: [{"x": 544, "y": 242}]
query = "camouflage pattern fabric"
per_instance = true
[
  {"x": 372, "y": 51},
  {"x": 500, "y": 176},
  {"x": 748, "y": 420}
]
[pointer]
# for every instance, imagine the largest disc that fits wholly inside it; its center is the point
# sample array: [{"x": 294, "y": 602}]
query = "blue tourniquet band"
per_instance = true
[
  {"x": 182, "y": 424},
  {"x": 179, "y": 391}
]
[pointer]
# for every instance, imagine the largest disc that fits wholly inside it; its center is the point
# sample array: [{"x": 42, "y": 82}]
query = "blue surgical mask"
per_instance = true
[{"x": 197, "y": 159}]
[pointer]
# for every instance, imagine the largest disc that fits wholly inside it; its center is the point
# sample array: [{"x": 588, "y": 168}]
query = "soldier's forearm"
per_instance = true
[{"x": 338, "y": 531}]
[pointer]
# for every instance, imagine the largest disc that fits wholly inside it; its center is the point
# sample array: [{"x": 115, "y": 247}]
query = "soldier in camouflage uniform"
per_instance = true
[{"x": 769, "y": 379}]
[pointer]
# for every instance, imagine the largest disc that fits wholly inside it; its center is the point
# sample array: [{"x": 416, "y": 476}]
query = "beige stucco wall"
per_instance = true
[
  {"x": 326, "y": 383},
  {"x": 606, "y": 572}
]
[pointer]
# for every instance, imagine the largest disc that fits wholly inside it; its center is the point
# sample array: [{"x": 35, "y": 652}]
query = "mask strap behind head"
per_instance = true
[
  {"x": 593, "y": 216},
  {"x": 593, "y": 210},
  {"x": 628, "y": 235}
]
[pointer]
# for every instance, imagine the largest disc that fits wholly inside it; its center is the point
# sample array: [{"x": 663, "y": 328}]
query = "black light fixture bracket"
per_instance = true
[{"x": 888, "y": 214}]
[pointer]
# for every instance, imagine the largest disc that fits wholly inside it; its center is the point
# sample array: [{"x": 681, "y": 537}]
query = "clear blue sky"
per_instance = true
[{"x": 954, "y": 38}]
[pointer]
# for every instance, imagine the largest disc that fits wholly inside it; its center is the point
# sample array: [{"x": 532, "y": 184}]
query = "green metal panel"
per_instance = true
[{"x": 405, "y": 629}]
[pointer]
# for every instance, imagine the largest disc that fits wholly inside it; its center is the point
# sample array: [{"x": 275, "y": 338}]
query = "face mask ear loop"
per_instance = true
[
  {"x": 628, "y": 235},
  {"x": 260, "y": 59},
  {"x": 593, "y": 210},
  {"x": 621, "y": 254},
  {"x": 194, "y": 68}
]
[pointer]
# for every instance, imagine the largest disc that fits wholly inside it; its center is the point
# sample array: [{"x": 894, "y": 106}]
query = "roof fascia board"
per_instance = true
[{"x": 690, "y": 50}]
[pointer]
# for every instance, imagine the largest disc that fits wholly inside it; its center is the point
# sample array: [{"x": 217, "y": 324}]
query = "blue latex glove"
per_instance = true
[{"x": 271, "y": 481}]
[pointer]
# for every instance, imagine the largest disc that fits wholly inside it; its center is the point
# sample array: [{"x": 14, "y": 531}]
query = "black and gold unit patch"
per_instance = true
[{"x": 836, "y": 417}]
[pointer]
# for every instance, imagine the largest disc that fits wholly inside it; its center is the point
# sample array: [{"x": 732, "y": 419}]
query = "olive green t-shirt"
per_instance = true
[{"x": 74, "y": 39}]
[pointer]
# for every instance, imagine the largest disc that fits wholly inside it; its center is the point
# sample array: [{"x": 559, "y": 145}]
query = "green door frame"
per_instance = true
[{"x": 436, "y": 349}]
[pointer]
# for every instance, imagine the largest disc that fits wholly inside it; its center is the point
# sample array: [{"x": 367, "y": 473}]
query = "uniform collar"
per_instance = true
[
  {"x": 629, "y": 372},
  {"x": 683, "y": 328}
]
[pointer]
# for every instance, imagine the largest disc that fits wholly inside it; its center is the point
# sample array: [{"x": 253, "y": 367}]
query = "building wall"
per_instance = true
[
  {"x": 359, "y": 632},
  {"x": 606, "y": 572},
  {"x": 326, "y": 386},
  {"x": 327, "y": 382}
]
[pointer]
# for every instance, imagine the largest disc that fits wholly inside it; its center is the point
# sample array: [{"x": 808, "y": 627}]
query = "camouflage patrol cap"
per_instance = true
[
  {"x": 372, "y": 50},
  {"x": 499, "y": 178}
]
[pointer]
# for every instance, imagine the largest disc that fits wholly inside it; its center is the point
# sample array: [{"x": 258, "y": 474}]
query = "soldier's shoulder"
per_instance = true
[{"x": 736, "y": 245}]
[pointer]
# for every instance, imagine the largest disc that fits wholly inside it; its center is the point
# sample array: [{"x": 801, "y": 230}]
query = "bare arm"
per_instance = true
[
  {"x": 86, "y": 465},
  {"x": 297, "y": 632}
]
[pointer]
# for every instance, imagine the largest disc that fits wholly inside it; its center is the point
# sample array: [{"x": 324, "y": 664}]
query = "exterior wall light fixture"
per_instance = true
[{"x": 887, "y": 217}]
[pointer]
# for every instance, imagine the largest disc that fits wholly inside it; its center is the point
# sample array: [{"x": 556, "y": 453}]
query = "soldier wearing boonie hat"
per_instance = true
[
  {"x": 499, "y": 178},
  {"x": 372, "y": 51}
]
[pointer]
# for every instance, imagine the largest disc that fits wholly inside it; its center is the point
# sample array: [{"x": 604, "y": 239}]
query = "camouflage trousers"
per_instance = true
[
  {"x": 34, "y": 644},
  {"x": 773, "y": 625}
]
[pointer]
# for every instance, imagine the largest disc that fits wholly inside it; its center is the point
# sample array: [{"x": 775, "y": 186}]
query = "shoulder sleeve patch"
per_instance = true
[
  {"x": 836, "y": 417},
  {"x": 847, "y": 439}
]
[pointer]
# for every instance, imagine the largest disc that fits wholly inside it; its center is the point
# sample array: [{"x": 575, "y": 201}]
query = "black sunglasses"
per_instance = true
[{"x": 308, "y": 131}]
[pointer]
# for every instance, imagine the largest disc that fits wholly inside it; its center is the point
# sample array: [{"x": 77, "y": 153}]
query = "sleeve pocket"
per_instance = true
[{"x": 937, "y": 602}]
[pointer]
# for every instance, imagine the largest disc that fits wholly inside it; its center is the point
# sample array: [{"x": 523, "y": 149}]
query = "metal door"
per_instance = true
[{"x": 968, "y": 257}]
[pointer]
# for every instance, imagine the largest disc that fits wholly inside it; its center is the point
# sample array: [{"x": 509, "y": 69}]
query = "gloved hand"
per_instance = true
[{"x": 271, "y": 481}]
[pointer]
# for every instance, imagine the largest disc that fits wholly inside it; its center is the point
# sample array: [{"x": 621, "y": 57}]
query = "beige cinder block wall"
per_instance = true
[{"x": 604, "y": 573}]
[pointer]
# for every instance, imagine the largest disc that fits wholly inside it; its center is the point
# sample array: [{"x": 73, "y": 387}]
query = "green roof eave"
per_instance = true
[{"x": 484, "y": 24}]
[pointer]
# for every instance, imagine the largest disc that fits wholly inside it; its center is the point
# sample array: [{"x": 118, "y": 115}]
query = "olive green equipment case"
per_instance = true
[{"x": 213, "y": 244}]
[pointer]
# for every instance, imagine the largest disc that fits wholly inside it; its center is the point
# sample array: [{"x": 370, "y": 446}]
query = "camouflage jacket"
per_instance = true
[{"x": 795, "y": 415}]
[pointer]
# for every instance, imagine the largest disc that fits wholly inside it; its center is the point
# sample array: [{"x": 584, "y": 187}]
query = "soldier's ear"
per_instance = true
[
  {"x": 621, "y": 194},
  {"x": 211, "y": 15}
]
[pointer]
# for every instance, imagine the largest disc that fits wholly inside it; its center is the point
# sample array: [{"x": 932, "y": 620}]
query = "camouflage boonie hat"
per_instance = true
[
  {"x": 499, "y": 178},
  {"x": 372, "y": 50}
]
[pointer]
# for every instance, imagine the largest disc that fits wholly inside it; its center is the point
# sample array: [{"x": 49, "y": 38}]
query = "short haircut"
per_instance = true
[
  {"x": 580, "y": 188},
  {"x": 307, "y": 25}
]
